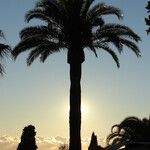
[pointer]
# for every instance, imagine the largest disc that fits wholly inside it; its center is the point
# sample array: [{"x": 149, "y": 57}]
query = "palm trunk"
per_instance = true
[{"x": 75, "y": 106}]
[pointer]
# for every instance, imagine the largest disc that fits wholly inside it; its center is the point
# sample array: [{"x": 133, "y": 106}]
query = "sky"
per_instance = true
[{"x": 39, "y": 95}]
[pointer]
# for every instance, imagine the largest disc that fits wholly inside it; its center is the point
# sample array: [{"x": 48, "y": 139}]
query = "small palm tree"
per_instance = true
[
  {"x": 131, "y": 131},
  {"x": 74, "y": 25},
  {"x": 4, "y": 52},
  {"x": 147, "y": 20}
]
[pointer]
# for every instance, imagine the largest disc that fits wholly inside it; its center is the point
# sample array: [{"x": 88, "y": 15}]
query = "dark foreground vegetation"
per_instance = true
[
  {"x": 131, "y": 134},
  {"x": 28, "y": 141}
]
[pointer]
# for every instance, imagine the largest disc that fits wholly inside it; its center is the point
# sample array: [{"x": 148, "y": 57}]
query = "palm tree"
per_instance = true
[
  {"x": 147, "y": 20},
  {"x": 131, "y": 131},
  {"x": 74, "y": 25},
  {"x": 4, "y": 52}
]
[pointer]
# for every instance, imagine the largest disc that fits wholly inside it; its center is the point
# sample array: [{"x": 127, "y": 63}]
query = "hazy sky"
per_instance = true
[{"x": 39, "y": 94}]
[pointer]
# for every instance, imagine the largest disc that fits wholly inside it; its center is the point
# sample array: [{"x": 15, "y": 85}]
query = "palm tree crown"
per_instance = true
[
  {"x": 130, "y": 130},
  {"x": 75, "y": 25},
  {"x": 4, "y": 52}
]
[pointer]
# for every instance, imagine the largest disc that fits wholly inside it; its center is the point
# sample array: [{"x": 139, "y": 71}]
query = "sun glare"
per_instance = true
[{"x": 84, "y": 109}]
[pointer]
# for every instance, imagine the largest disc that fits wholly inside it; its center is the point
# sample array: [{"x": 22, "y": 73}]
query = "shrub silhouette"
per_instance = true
[{"x": 28, "y": 139}]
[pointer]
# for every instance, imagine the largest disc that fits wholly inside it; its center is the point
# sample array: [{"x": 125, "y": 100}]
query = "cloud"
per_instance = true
[
  {"x": 11, "y": 143},
  {"x": 52, "y": 143},
  {"x": 8, "y": 143}
]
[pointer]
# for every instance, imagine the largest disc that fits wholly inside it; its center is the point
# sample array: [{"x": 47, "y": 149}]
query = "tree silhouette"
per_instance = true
[
  {"x": 132, "y": 131},
  {"x": 74, "y": 25},
  {"x": 4, "y": 52},
  {"x": 28, "y": 139},
  {"x": 147, "y": 20},
  {"x": 94, "y": 144}
]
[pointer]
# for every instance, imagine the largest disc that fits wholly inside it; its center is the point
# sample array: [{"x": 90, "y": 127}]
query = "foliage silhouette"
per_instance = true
[
  {"x": 132, "y": 131},
  {"x": 74, "y": 25},
  {"x": 63, "y": 147},
  {"x": 147, "y": 20},
  {"x": 28, "y": 141},
  {"x": 4, "y": 52},
  {"x": 94, "y": 144}
]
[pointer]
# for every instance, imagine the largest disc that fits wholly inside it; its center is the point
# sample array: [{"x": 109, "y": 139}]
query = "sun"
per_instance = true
[{"x": 84, "y": 108}]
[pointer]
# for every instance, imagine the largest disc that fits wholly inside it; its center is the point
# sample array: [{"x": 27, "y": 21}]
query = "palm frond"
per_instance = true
[
  {"x": 112, "y": 138},
  {"x": 37, "y": 14},
  {"x": 98, "y": 22},
  {"x": 85, "y": 7},
  {"x": 44, "y": 31},
  {"x": 132, "y": 46},
  {"x": 115, "y": 40},
  {"x": 117, "y": 29},
  {"x": 57, "y": 7},
  {"x": 45, "y": 15},
  {"x": 27, "y": 44},
  {"x": 114, "y": 127},
  {"x": 5, "y": 51},
  {"x": 101, "y": 9},
  {"x": 106, "y": 48},
  {"x": 147, "y": 21},
  {"x": 2, "y": 70},
  {"x": 43, "y": 51},
  {"x": 33, "y": 55},
  {"x": 34, "y": 31},
  {"x": 117, "y": 35},
  {"x": 48, "y": 52},
  {"x": 129, "y": 121},
  {"x": 93, "y": 50},
  {"x": 2, "y": 34}
]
